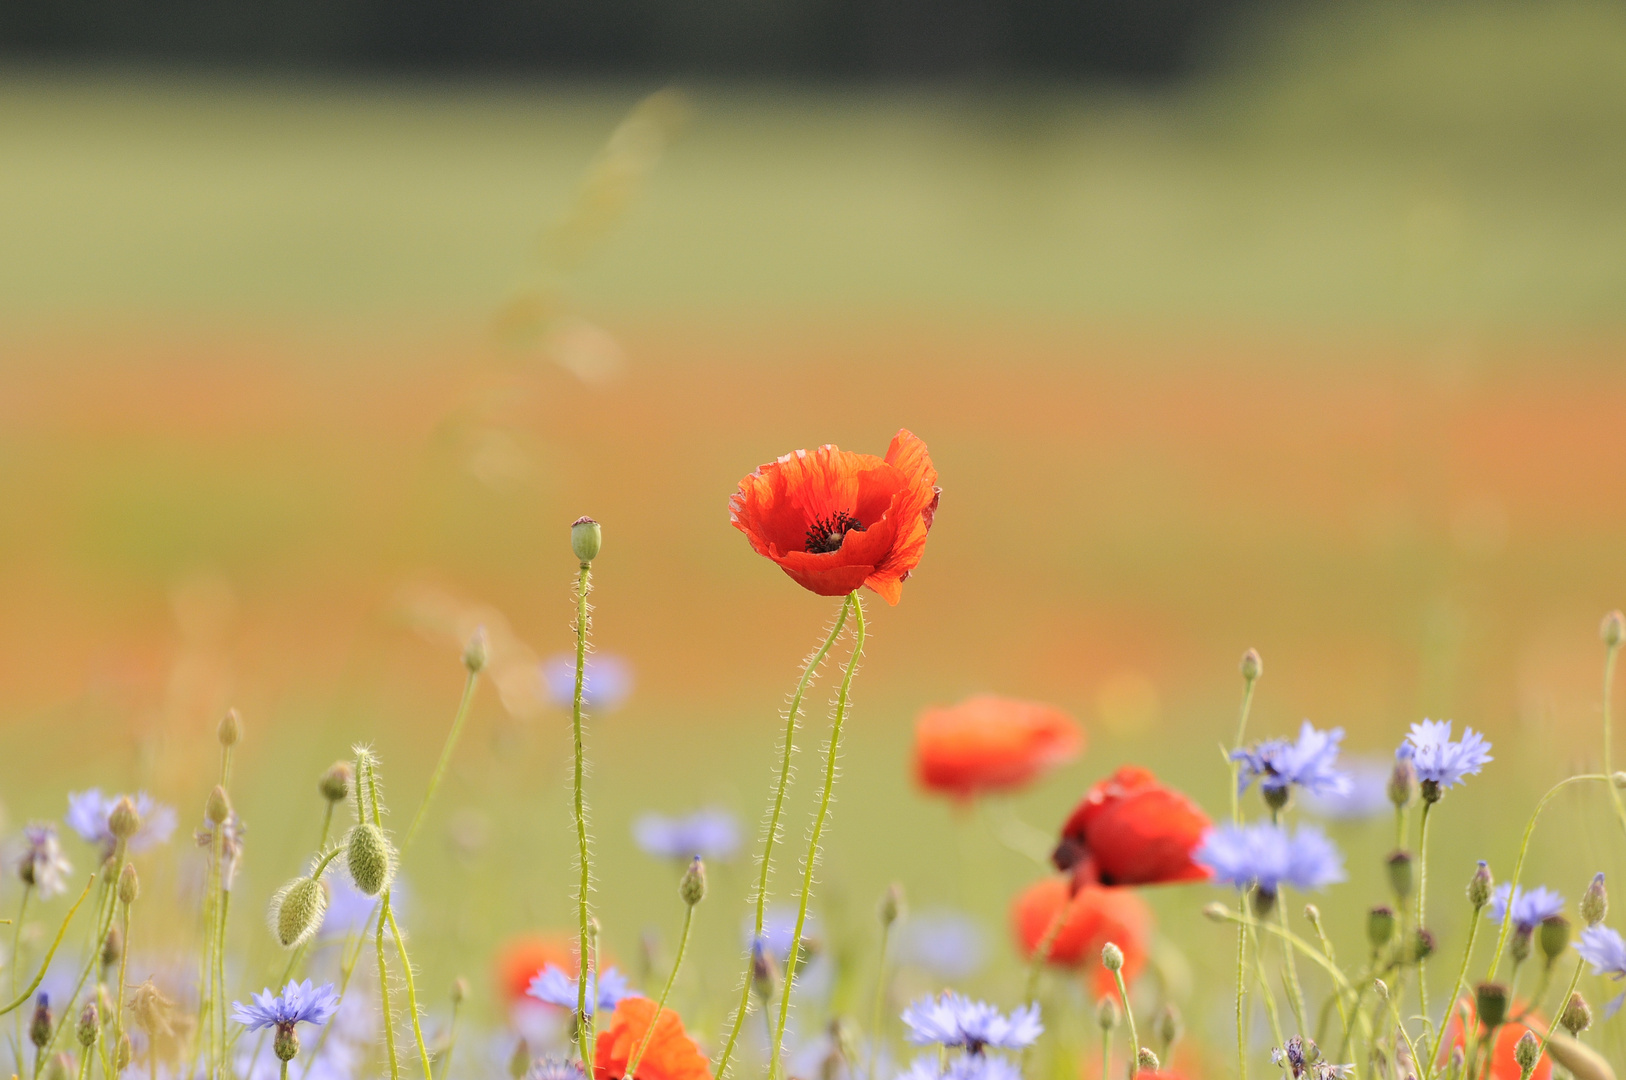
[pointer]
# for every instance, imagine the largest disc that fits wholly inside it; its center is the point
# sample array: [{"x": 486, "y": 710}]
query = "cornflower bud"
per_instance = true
[
  {"x": 90, "y": 1025},
  {"x": 1490, "y": 1004},
  {"x": 286, "y": 1045},
  {"x": 218, "y": 807},
  {"x": 124, "y": 820},
  {"x": 1263, "y": 902},
  {"x": 890, "y": 908},
  {"x": 129, "y": 885},
  {"x": 297, "y": 910},
  {"x": 1166, "y": 1025},
  {"x": 1380, "y": 926},
  {"x": 693, "y": 886},
  {"x": 1402, "y": 781},
  {"x": 1112, "y": 957},
  {"x": 112, "y": 947},
  {"x": 764, "y": 972},
  {"x": 230, "y": 729},
  {"x": 1107, "y": 1014},
  {"x": 1276, "y": 798},
  {"x": 1613, "y": 629},
  {"x": 372, "y": 863},
  {"x": 1577, "y": 1014},
  {"x": 39, "y": 1028},
  {"x": 1400, "y": 873},
  {"x": 1146, "y": 1059},
  {"x": 1422, "y": 945},
  {"x": 1252, "y": 666},
  {"x": 1526, "y": 1051},
  {"x": 585, "y": 539},
  {"x": 1480, "y": 886},
  {"x": 1519, "y": 947},
  {"x": 475, "y": 652},
  {"x": 1595, "y": 902},
  {"x": 335, "y": 783}
]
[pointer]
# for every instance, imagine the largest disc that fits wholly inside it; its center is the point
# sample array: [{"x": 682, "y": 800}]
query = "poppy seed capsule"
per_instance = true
[
  {"x": 335, "y": 783},
  {"x": 586, "y": 538},
  {"x": 90, "y": 1025},
  {"x": 1490, "y": 1003},
  {"x": 1526, "y": 1051},
  {"x": 1146, "y": 1059},
  {"x": 1112, "y": 957},
  {"x": 475, "y": 652},
  {"x": 1252, "y": 666},
  {"x": 1480, "y": 886},
  {"x": 1106, "y": 1013},
  {"x": 230, "y": 729},
  {"x": 1400, "y": 873},
  {"x": 1595, "y": 902},
  {"x": 218, "y": 806},
  {"x": 124, "y": 820},
  {"x": 693, "y": 886},
  {"x": 1613, "y": 629},
  {"x": 372, "y": 864},
  {"x": 287, "y": 1043},
  {"x": 1555, "y": 937},
  {"x": 1577, "y": 1014},
  {"x": 129, "y": 885},
  {"x": 297, "y": 910}
]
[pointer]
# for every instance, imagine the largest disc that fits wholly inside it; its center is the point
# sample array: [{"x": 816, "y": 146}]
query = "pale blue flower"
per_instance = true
[
  {"x": 1308, "y": 762},
  {"x": 945, "y": 944},
  {"x": 1437, "y": 759},
  {"x": 88, "y": 812},
  {"x": 953, "y": 1020},
  {"x": 299, "y": 1003},
  {"x": 962, "y": 1067},
  {"x": 42, "y": 863},
  {"x": 1606, "y": 952},
  {"x": 606, "y": 681},
  {"x": 1530, "y": 906},
  {"x": 710, "y": 834},
  {"x": 605, "y": 989},
  {"x": 1367, "y": 795},
  {"x": 1269, "y": 856}
]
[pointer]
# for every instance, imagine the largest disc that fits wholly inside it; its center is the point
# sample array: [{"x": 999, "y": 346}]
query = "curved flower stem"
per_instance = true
[
  {"x": 649, "y": 1032},
  {"x": 1106, "y": 1052},
  {"x": 1295, "y": 991},
  {"x": 45, "y": 965},
  {"x": 584, "y": 1019},
  {"x": 445, "y": 759},
  {"x": 819, "y": 819},
  {"x": 1422, "y": 902},
  {"x": 1456, "y": 988},
  {"x": 1608, "y": 761},
  {"x": 1563, "y": 1001},
  {"x": 1041, "y": 956},
  {"x": 1518, "y": 864},
  {"x": 810, "y": 669},
  {"x": 365, "y": 761},
  {"x": 1264, "y": 987},
  {"x": 12, "y": 959},
  {"x": 451, "y": 1043},
  {"x": 348, "y": 960},
  {"x": 412, "y": 989},
  {"x": 1129, "y": 1019},
  {"x": 880, "y": 997},
  {"x": 1241, "y": 733}
]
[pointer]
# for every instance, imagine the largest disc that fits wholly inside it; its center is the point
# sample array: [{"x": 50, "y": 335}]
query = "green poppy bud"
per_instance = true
[
  {"x": 1613, "y": 629},
  {"x": 891, "y": 905},
  {"x": 218, "y": 806},
  {"x": 124, "y": 820},
  {"x": 372, "y": 863},
  {"x": 1380, "y": 926},
  {"x": 1166, "y": 1025},
  {"x": 475, "y": 652},
  {"x": 1112, "y": 957},
  {"x": 1107, "y": 1014},
  {"x": 230, "y": 729},
  {"x": 297, "y": 910},
  {"x": 1252, "y": 666},
  {"x": 1400, "y": 873},
  {"x": 1145, "y": 1059},
  {"x": 335, "y": 783}
]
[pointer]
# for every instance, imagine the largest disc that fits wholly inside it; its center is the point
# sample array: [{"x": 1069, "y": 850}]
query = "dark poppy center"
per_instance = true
[{"x": 825, "y": 534}]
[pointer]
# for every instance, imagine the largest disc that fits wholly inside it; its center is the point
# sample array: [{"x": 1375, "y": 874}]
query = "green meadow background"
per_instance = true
[{"x": 1320, "y": 352}]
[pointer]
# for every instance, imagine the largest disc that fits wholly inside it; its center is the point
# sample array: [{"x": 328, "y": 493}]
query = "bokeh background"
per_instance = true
[{"x": 1297, "y": 327}]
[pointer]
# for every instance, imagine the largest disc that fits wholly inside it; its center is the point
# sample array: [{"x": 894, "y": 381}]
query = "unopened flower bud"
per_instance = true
[
  {"x": 1577, "y": 1014},
  {"x": 1519, "y": 947},
  {"x": 764, "y": 972},
  {"x": 1107, "y": 1014},
  {"x": 1613, "y": 629},
  {"x": 1276, "y": 798},
  {"x": 1312, "y": 915},
  {"x": 1146, "y": 1059},
  {"x": 1480, "y": 886},
  {"x": 1595, "y": 902},
  {"x": 1618, "y": 778},
  {"x": 39, "y": 1028},
  {"x": 335, "y": 783},
  {"x": 1400, "y": 873},
  {"x": 1422, "y": 944},
  {"x": 520, "y": 1062},
  {"x": 475, "y": 652},
  {"x": 230, "y": 729},
  {"x": 1490, "y": 1004},
  {"x": 112, "y": 947},
  {"x": 586, "y": 538},
  {"x": 1380, "y": 926},
  {"x": 90, "y": 1025},
  {"x": 1112, "y": 957},
  {"x": 297, "y": 910},
  {"x": 890, "y": 909},
  {"x": 218, "y": 806},
  {"x": 1402, "y": 782},
  {"x": 1555, "y": 937},
  {"x": 460, "y": 990},
  {"x": 129, "y": 884},
  {"x": 286, "y": 1044},
  {"x": 1459, "y": 1058},
  {"x": 371, "y": 861},
  {"x": 124, "y": 820},
  {"x": 122, "y": 1055},
  {"x": 1526, "y": 1051},
  {"x": 1252, "y": 666},
  {"x": 1214, "y": 911},
  {"x": 1381, "y": 989},
  {"x": 1166, "y": 1026},
  {"x": 693, "y": 886}
]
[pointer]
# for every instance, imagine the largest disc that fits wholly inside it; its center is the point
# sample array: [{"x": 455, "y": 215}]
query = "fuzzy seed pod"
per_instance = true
[
  {"x": 586, "y": 538},
  {"x": 335, "y": 783},
  {"x": 1577, "y": 1014},
  {"x": 297, "y": 910},
  {"x": 129, "y": 885},
  {"x": 1555, "y": 937},
  {"x": 1402, "y": 782},
  {"x": 230, "y": 729},
  {"x": 1112, "y": 957},
  {"x": 764, "y": 972},
  {"x": 693, "y": 886},
  {"x": 1618, "y": 778},
  {"x": 1490, "y": 1002},
  {"x": 1380, "y": 926},
  {"x": 1400, "y": 873},
  {"x": 1595, "y": 902},
  {"x": 90, "y": 1025},
  {"x": 1107, "y": 1014},
  {"x": 372, "y": 863},
  {"x": 218, "y": 807},
  {"x": 39, "y": 1026},
  {"x": 1145, "y": 1059},
  {"x": 124, "y": 820},
  {"x": 286, "y": 1045},
  {"x": 1381, "y": 989},
  {"x": 1526, "y": 1051},
  {"x": 1480, "y": 886},
  {"x": 1252, "y": 666},
  {"x": 1613, "y": 630},
  {"x": 890, "y": 908}
]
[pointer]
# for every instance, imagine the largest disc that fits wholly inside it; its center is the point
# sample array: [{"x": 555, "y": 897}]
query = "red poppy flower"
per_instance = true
[
  {"x": 1093, "y": 916},
  {"x": 835, "y": 520},
  {"x": 1503, "y": 1065},
  {"x": 1131, "y": 830},
  {"x": 989, "y": 743},
  {"x": 521, "y": 959},
  {"x": 671, "y": 1054}
]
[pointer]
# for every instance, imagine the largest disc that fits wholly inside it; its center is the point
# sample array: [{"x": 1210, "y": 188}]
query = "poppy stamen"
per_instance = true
[{"x": 826, "y": 533}]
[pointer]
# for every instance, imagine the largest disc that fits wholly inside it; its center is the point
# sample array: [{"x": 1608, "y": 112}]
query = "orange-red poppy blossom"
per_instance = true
[
  {"x": 1503, "y": 1065},
  {"x": 991, "y": 743},
  {"x": 671, "y": 1054},
  {"x": 1090, "y": 918},
  {"x": 834, "y": 520},
  {"x": 1131, "y": 830},
  {"x": 521, "y": 959}
]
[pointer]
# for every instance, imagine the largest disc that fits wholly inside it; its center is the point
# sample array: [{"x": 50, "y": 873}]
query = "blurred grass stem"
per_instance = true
[
  {"x": 1129, "y": 1019},
  {"x": 649, "y": 1032},
  {"x": 45, "y": 965},
  {"x": 445, "y": 758}
]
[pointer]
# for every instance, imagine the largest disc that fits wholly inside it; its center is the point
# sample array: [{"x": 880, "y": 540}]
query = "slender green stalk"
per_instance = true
[
  {"x": 445, "y": 757},
  {"x": 1264, "y": 988},
  {"x": 810, "y": 668},
  {"x": 284, "y": 1070},
  {"x": 45, "y": 965},
  {"x": 584, "y": 1020},
  {"x": 880, "y": 998},
  {"x": 1129, "y": 1019},
  {"x": 118, "y": 1000},
  {"x": 1106, "y": 1052},
  {"x": 1295, "y": 996},
  {"x": 350, "y": 957},
  {"x": 371, "y": 780},
  {"x": 1242, "y": 988},
  {"x": 220, "y": 975},
  {"x": 1562, "y": 1002},
  {"x": 1456, "y": 987},
  {"x": 451, "y": 1041},
  {"x": 1608, "y": 696},
  {"x": 412, "y": 990},
  {"x": 811, "y": 861},
  {"x": 1422, "y": 902},
  {"x": 649, "y": 1032},
  {"x": 1248, "y": 681},
  {"x": 14, "y": 959},
  {"x": 1241, "y": 733}
]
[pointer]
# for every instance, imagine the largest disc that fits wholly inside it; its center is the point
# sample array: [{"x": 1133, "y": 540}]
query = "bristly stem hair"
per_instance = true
[
  {"x": 810, "y": 670},
  {"x": 584, "y": 1019},
  {"x": 366, "y": 773},
  {"x": 810, "y": 864}
]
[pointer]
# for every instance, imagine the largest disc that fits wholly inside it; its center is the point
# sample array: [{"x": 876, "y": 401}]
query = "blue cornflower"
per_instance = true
[
  {"x": 88, "y": 812},
  {"x": 946, "y": 944},
  {"x": 953, "y": 1020},
  {"x": 1268, "y": 856},
  {"x": 1606, "y": 952},
  {"x": 962, "y": 1067},
  {"x": 605, "y": 989},
  {"x": 1437, "y": 759},
  {"x": 1530, "y": 906},
  {"x": 710, "y": 834},
  {"x": 1309, "y": 763},
  {"x": 555, "y": 1068},
  {"x": 298, "y": 1003},
  {"x": 606, "y": 681},
  {"x": 1367, "y": 795}
]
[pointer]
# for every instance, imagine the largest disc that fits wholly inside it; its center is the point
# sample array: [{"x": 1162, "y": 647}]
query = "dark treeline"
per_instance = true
[{"x": 1135, "y": 39}]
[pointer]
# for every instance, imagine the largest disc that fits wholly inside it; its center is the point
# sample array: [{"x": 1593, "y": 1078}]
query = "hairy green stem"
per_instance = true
[
  {"x": 810, "y": 669},
  {"x": 1422, "y": 902},
  {"x": 811, "y": 862},
  {"x": 1241, "y": 987},
  {"x": 584, "y": 1020},
  {"x": 412, "y": 989},
  {"x": 445, "y": 758},
  {"x": 100, "y": 940},
  {"x": 1562, "y": 1003},
  {"x": 371, "y": 780},
  {"x": 14, "y": 959},
  {"x": 649, "y": 1032}
]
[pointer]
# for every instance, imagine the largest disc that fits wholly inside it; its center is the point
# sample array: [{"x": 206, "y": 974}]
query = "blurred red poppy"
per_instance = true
[
  {"x": 834, "y": 520},
  {"x": 991, "y": 743},
  {"x": 1094, "y": 915},
  {"x": 521, "y": 959},
  {"x": 1503, "y": 1065},
  {"x": 671, "y": 1054},
  {"x": 1131, "y": 830}
]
